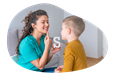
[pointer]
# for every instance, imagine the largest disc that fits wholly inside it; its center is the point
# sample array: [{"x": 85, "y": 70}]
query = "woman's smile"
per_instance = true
[{"x": 46, "y": 28}]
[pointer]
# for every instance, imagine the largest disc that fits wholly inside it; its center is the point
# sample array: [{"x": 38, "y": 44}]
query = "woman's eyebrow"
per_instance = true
[{"x": 44, "y": 20}]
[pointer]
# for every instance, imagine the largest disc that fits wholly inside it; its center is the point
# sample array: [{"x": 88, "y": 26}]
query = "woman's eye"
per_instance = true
[
  {"x": 43, "y": 22},
  {"x": 47, "y": 22}
]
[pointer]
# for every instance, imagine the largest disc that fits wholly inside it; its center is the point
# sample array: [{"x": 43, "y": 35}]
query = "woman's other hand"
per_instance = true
[{"x": 54, "y": 50}]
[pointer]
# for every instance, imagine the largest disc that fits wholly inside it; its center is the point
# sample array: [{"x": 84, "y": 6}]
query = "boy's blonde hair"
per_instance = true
[{"x": 75, "y": 23}]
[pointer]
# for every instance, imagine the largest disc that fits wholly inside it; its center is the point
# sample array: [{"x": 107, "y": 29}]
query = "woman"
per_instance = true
[{"x": 33, "y": 47}]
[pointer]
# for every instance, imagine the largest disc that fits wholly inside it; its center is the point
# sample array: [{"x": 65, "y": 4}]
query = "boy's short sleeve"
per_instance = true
[{"x": 29, "y": 52}]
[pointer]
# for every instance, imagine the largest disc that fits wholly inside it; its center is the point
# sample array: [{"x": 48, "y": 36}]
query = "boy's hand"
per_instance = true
[
  {"x": 60, "y": 68},
  {"x": 56, "y": 71}
]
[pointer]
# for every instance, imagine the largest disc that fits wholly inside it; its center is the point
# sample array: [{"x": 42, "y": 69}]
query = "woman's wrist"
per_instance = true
[
  {"x": 51, "y": 53},
  {"x": 46, "y": 48}
]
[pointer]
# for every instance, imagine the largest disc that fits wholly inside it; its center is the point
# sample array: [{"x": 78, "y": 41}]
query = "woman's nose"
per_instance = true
[{"x": 47, "y": 24}]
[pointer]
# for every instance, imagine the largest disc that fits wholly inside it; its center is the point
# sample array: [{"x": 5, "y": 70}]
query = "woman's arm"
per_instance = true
[
  {"x": 52, "y": 51},
  {"x": 49, "y": 57},
  {"x": 40, "y": 63}
]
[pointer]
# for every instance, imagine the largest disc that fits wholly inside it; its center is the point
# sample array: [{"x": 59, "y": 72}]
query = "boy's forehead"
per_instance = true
[{"x": 63, "y": 24}]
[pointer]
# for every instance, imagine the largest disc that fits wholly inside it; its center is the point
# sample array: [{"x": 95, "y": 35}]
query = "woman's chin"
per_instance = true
[{"x": 45, "y": 31}]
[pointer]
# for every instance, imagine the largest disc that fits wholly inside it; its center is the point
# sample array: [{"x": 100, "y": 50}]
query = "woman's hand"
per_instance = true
[
  {"x": 47, "y": 41},
  {"x": 54, "y": 50}
]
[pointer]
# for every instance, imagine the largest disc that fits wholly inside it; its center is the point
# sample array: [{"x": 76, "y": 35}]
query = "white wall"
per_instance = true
[{"x": 89, "y": 38}]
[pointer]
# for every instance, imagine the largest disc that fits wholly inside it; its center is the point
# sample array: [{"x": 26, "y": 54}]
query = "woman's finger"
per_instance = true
[
  {"x": 48, "y": 34},
  {"x": 52, "y": 46},
  {"x": 45, "y": 38}
]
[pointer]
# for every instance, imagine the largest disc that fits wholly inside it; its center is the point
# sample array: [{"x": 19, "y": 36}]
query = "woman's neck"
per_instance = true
[{"x": 37, "y": 35}]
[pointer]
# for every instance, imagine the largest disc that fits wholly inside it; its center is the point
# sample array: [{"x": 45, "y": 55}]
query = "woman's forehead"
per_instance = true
[{"x": 43, "y": 18}]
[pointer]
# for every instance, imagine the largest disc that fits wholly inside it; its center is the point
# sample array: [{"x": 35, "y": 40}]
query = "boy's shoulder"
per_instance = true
[
  {"x": 68, "y": 49},
  {"x": 73, "y": 46}
]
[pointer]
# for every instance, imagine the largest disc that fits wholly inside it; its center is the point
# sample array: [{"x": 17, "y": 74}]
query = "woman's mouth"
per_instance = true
[{"x": 45, "y": 28}]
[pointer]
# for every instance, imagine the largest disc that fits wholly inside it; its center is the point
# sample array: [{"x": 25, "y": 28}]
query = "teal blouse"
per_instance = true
[{"x": 29, "y": 50}]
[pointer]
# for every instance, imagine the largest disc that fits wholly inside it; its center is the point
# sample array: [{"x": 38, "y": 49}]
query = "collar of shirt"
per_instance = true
[{"x": 71, "y": 42}]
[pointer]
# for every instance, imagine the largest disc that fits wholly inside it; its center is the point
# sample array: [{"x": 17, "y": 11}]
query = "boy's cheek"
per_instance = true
[
  {"x": 63, "y": 38},
  {"x": 63, "y": 35}
]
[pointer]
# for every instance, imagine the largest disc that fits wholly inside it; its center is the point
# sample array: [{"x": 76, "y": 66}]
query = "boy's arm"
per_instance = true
[{"x": 68, "y": 60}]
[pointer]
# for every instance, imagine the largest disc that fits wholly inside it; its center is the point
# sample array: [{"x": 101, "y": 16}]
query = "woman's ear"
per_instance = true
[{"x": 33, "y": 25}]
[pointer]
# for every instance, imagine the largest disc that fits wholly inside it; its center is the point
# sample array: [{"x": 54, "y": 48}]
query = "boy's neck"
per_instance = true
[{"x": 72, "y": 39}]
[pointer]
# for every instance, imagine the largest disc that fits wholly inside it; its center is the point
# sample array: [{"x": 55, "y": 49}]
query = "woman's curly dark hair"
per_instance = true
[{"x": 27, "y": 29}]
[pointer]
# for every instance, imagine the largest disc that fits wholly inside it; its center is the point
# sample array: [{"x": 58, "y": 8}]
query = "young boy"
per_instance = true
[{"x": 74, "y": 55}]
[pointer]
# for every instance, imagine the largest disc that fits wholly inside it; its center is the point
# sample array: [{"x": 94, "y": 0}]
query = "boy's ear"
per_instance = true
[{"x": 68, "y": 30}]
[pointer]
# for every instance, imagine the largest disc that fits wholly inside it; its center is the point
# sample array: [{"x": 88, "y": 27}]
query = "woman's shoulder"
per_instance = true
[{"x": 27, "y": 40}]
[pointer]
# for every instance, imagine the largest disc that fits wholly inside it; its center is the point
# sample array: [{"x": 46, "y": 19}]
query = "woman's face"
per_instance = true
[{"x": 42, "y": 24}]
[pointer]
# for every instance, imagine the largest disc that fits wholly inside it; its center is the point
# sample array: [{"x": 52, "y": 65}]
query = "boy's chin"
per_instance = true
[{"x": 63, "y": 39}]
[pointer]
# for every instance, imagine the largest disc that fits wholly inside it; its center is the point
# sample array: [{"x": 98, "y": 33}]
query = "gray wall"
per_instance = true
[
  {"x": 55, "y": 18},
  {"x": 104, "y": 45},
  {"x": 100, "y": 43}
]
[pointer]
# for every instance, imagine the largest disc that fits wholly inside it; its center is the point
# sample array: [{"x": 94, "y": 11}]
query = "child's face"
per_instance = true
[{"x": 64, "y": 32}]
